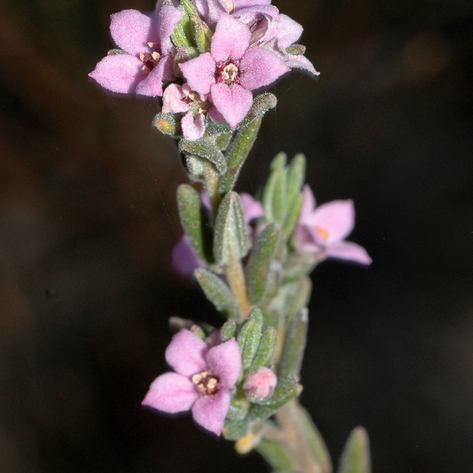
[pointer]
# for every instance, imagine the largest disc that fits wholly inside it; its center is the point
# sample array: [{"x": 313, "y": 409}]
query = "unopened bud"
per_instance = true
[{"x": 260, "y": 384}]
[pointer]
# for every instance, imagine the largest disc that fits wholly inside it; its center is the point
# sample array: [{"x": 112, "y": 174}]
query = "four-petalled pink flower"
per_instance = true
[
  {"x": 322, "y": 230},
  {"x": 202, "y": 382},
  {"x": 144, "y": 61},
  {"x": 232, "y": 69}
]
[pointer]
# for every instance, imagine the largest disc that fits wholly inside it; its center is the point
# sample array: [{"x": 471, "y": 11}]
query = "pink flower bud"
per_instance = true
[{"x": 260, "y": 384}]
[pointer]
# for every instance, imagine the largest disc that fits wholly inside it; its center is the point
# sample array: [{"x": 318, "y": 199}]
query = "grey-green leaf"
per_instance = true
[
  {"x": 194, "y": 223},
  {"x": 259, "y": 263},
  {"x": 230, "y": 238},
  {"x": 294, "y": 344},
  {"x": 218, "y": 293},
  {"x": 356, "y": 454},
  {"x": 205, "y": 149}
]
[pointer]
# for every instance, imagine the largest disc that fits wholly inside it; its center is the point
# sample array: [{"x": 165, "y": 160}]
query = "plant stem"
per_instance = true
[{"x": 236, "y": 279}]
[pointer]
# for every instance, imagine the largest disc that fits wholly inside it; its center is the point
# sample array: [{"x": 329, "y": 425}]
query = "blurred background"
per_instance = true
[{"x": 88, "y": 221}]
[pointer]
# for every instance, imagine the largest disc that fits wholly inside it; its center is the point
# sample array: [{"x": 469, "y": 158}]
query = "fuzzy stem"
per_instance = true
[
  {"x": 236, "y": 279},
  {"x": 290, "y": 435}
]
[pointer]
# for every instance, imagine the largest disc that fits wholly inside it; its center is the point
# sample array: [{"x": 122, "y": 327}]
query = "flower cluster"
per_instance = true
[
  {"x": 204, "y": 58},
  {"x": 320, "y": 231}
]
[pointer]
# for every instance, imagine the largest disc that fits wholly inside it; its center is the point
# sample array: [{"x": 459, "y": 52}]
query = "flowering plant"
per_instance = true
[{"x": 208, "y": 62}]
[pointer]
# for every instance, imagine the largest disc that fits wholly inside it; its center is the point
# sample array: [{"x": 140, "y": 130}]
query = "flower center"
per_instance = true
[
  {"x": 227, "y": 72},
  {"x": 322, "y": 233},
  {"x": 206, "y": 383},
  {"x": 150, "y": 59}
]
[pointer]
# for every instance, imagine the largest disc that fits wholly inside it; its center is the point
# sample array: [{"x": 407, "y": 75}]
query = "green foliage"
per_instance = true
[{"x": 356, "y": 453}]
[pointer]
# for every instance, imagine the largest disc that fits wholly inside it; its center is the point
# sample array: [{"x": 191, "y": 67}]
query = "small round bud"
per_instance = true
[{"x": 260, "y": 384}]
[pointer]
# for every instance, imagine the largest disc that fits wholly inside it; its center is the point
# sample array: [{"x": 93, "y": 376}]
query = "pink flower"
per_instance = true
[
  {"x": 260, "y": 384},
  {"x": 145, "y": 62},
  {"x": 194, "y": 106},
  {"x": 231, "y": 70},
  {"x": 321, "y": 230},
  {"x": 202, "y": 382},
  {"x": 247, "y": 11},
  {"x": 184, "y": 259}
]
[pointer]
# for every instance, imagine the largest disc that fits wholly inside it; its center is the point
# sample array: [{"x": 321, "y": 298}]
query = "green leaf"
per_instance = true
[
  {"x": 181, "y": 36},
  {"x": 202, "y": 34},
  {"x": 227, "y": 331},
  {"x": 205, "y": 149},
  {"x": 235, "y": 429},
  {"x": 249, "y": 338},
  {"x": 295, "y": 178},
  {"x": 266, "y": 349},
  {"x": 259, "y": 263},
  {"x": 294, "y": 344},
  {"x": 292, "y": 216},
  {"x": 230, "y": 238},
  {"x": 356, "y": 454},
  {"x": 189, "y": 7},
  {"x": 194, "y": 223},
  {"x": 314, "y": 440},
  {"x": 244, "y": 139},
  {"x": 277, "y": 455},
  {"x": 218, "y": 293},
  {"x": 293, "y": 297}
]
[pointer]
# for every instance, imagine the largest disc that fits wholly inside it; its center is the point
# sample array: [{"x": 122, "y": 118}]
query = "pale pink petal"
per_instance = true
[
  {"x": 184, "y": 258},
  {"x": 304, "y": 240},
  {"x": 215, "y": 115},
  {"x": 301, "y": 63},
  {"x": 173, "y": 100},
  {"x": 199, "y": 73},
  {"x": 132, "y": 30},
  {"x": 186, "y": 353},
  {"x": 249, "y": 14},
  {"x": 308, "y": 204},
  {"x": 347, "y": 250},
  {"x": 286, "y": 30},
  {"x": 168, "y": 18},
  {"x": 171, "y": 393},
  {"x": 260, "y": 384},
  {"x": 210, "y": 411},
  {"x": 249, "y": 3},
  {"x": 260, "y": 67},
  {"x": 251, "y": 207},
  {"x": 224, "y": 362},
  {"x": 193, "y": 128},
  {"x": 210, "y": 9},
  {"x": 119, "y": 73},
  {"x": 335, "y": 219},
  {"x": 230, "y": 40},
  {"x": 152, "y": 86},
  {"x": 232, "y": 102}
]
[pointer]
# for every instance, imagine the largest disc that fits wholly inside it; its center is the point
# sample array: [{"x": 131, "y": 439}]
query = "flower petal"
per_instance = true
[
  {"x": 152, "y": 86},
  {"x": 286, "y": 30},
  {"x": 251, "y": 207},
  {"x": 232, "y": 102},
  {"x": 349, "y": 251},
  {"x": 132, "y": 30},
  {"x": 168, "y": 18},
  {"x": 186, "y": 353},
  {"x": 260, "y": 67},
  {"x": 184, "y": 258},
  {"x": 230, "y": 40},
  {"x": 210, "y": 411},
  {"x": 199, "y": 73},
  {"x": 193, "y": 128},
  {"x": 119, "y": 73},
  {"x": 174, "y": 100},
  {"x": 171, "y": 393},
  {"x": 336, "y": 219},
  {"x": 308, "y": 205},
  {"x": 249, "y": 3},
  {"x": 301, "y": 63},
  {"x": 224, "y": 362}
]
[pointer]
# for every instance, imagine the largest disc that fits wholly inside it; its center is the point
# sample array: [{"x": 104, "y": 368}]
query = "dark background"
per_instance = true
[{"x": 88, "y": 220}]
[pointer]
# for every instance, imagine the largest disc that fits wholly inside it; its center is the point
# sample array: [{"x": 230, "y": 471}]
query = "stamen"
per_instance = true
[
  {"x": 151, "y": 44},
  {"x": 145, "y": 69},
  {"x": 322, "y": 232},
  {"x": 155, "y": 56},
  {"x": 230, "y": 5}
]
